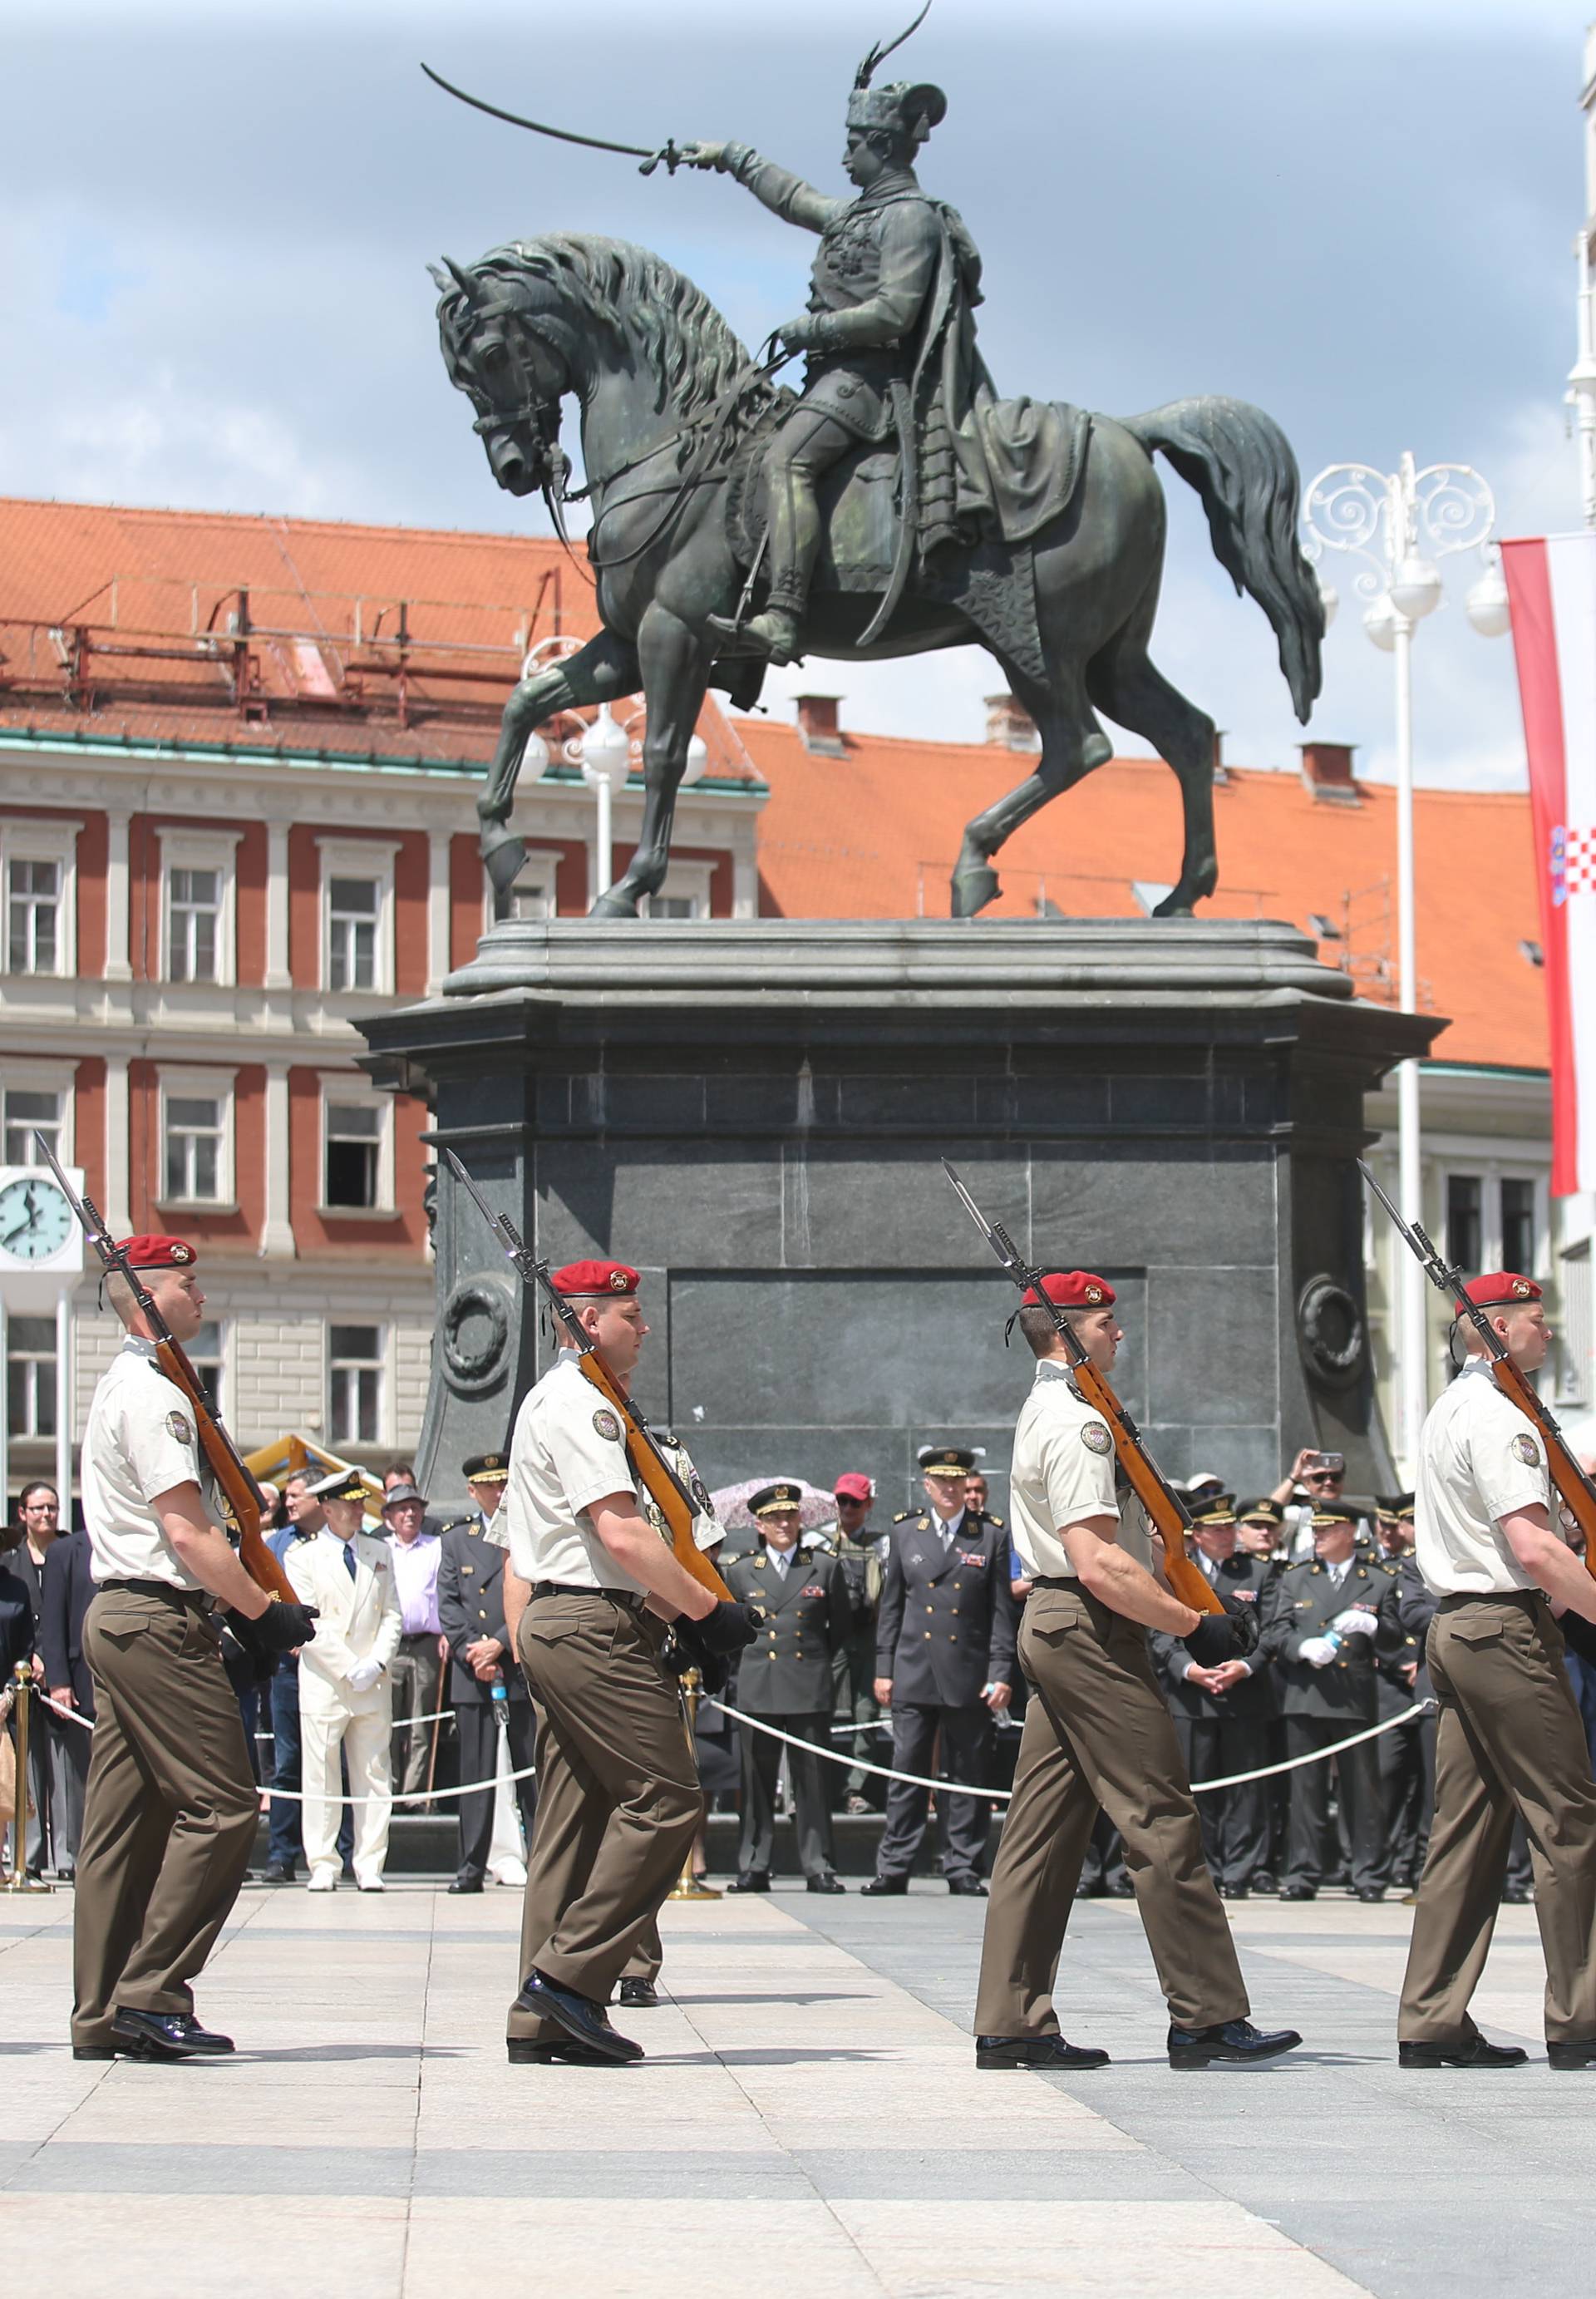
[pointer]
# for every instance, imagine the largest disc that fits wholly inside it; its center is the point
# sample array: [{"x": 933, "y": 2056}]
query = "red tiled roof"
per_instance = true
[{"x": 875, "y": 834}]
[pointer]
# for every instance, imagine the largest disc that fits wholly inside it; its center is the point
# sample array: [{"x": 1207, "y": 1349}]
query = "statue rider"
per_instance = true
[{"x": 890, "y": 339}]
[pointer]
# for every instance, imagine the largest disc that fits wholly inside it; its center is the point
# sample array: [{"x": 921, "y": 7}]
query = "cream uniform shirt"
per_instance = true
[
  {"x": 567, "y": 1450},
  {"x": 1479, "y": 1460},
  {"x": 1063, "y": 1472},
  {"x": 140, "y": 1440}
]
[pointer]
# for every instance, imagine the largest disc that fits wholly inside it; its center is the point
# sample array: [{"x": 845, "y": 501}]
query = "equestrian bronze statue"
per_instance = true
[{"x": 896, "y": 506}]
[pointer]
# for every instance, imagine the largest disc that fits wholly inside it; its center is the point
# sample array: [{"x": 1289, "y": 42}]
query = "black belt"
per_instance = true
[
  {"x": 1040, "y": 1581},
  {"x": 166, "y": 1590},
  {"x": 420, "y": 1636},
  {"x": 1529, "y": 1597},
  {"x": 632, "y": 1598}
]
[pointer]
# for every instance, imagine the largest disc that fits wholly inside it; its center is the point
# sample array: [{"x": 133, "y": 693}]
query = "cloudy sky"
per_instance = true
[{"x": 215, "y": 225}]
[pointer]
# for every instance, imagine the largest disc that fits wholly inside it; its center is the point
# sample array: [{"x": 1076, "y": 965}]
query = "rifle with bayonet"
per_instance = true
[
  {"x": 1577, "y": 1492},
  {"x": 242, "y": 1496},
  {"x": 676, "y": 1504},
  {"x": 1166, "y": 1511}
]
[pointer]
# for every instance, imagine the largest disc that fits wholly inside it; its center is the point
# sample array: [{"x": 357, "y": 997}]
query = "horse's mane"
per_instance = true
[{"x": 652, "y": 309}]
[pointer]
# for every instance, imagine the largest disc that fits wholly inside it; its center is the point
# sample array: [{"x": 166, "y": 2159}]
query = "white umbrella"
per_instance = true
[{"x": 731, "y": 1503}]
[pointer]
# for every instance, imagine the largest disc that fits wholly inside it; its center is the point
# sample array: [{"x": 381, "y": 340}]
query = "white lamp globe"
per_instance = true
[
  {"x": 605, "y": 752},
  {"x": 698, "y": 762},
  {"x": 1329, "y": 598},
  {"x": 1380, "y": 622},
  {"x": 1486, "y": 605},
  {"x": 1416, "y": 591},
  {"x": 534, "y": 755}
]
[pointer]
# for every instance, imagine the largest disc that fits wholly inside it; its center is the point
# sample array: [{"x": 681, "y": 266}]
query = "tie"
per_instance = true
[{"x": 348, "y": 1558}]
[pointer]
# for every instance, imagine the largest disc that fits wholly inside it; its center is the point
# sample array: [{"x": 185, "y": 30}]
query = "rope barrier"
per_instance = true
[{"x": 401, "y": 1724}]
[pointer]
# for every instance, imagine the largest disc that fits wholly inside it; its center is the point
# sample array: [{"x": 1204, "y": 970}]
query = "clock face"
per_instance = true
[{"x": 35, "y": 1220}]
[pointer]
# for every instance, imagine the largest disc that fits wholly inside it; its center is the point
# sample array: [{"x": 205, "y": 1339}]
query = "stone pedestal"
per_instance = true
[{"x": 754, "y": 1113}]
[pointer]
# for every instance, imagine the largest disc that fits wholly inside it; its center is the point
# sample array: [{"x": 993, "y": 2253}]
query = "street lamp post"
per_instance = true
[{"x": 1400, "y": 524}]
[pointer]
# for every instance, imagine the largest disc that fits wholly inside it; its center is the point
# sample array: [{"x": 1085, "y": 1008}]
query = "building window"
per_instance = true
[
  {"x": 1576, "y": 1326},
  {"x": 1518, "y": 1244},
  {"x": 33, "y": 916},
  {"x": 1463, "y": 1196},
  {"x": 31, "y": 1377},
  {"x": 354, "y": 1384},
  {"x": 1494, "y": 1221},
  {"x": 193, "y": 924},
  {"x": 204, "y": 1353},
  {"x": 353, "y": 907},
  {"x": 194, "y": 1142},
  {"x": 354, "y": 1147},
  {"x": 26, "y": 1113},
  {"x": 685, "y": 894}
]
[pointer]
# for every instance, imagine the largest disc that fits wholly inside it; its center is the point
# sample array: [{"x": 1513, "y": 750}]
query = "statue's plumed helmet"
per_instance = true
[{"x": 907, "y": 108}]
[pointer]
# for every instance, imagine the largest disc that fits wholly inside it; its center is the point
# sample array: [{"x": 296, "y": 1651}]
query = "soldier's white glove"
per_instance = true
[
  {"x": 1354, "y": 1623},
  {"x": 364, "y": 1675},
  {"x": 1318, "y": 1652}
]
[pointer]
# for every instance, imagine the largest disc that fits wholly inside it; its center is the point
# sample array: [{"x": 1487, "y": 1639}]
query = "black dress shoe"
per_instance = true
[
  {"x": 967, "y": 1888},
  {"x": 581, "y": 2019},
  {"x": 1581, "y": 2054},
  {"x": 1299, "y": 1891},
  {"x": 884, "y": 1887},
  {"x": 466, "y": 1884},
  {"x": 1517, "y": 1895},
  {"x": 1096, "y": 1891},
  {"x": 641, "y": 1995},
  {"x": 521, "y": 2053},
  {"x": 757, "y": 1880},
  {"x": 104, "y": 2051},
  {"x": 825, "y": 1884},
  {"x": 276, "y": 1871},
  {"x": 156, "y": 2035},
  {"x": 1369, "y": 1893},
  {"x": 1265, "y": 1880},
  {"x": 1473, "y": 2052},
  {"x": 1232, "y": 2039},
  {"x": 1232, "y": 1891},
  {"x": 1122, "y": 1888},
  {"x": 1035, "y": 2052}
]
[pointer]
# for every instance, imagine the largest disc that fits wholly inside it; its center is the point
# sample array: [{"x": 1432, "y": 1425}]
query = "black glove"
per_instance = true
[
  {"x": 282, "y": 1627},
  {"x": 1579, "y": 1635},
  {"x": 684, "y": 1648},
  {"x": 724, "y": 1632},
  {"x": 1220, "y": 1637}
]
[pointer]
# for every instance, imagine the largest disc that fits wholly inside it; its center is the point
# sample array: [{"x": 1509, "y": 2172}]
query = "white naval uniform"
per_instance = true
[{"x": 359, "y": 1620}]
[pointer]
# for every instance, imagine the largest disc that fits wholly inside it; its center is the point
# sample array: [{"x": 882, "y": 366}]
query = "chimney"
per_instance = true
[
  {"x": 1010, "y": 725},
  {"x": 1328, "y": 772},
  {"x": 818, "y": 725}
]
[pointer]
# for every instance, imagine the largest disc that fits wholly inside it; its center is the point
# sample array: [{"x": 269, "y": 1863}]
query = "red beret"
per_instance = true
[
  {"x": 158, "y": 1252},
  {"x": 583, "y": 1277},
  {"x": 1500, "y": 1289},
  {"x": 854, "y": 1485},
  {"x": 1073, "y": 1289}
]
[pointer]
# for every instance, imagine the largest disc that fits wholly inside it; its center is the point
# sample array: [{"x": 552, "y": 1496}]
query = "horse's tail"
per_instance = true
[{"x": 1240, "y": 463}]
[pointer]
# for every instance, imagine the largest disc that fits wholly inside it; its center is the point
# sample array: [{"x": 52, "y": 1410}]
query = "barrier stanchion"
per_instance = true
[
  {"x": 687, "y": 1886},
  {"x": 20, "y": 1879}
]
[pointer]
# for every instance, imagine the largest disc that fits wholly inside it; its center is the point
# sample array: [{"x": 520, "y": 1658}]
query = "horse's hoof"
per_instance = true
[
  {"x": 503, "y": 858},
  {"x": 1174, "y": 905},
  {"x": 974, "y": 887}
]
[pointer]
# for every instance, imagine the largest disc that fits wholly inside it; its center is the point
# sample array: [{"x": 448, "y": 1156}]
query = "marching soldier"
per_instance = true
[
  {"x": 345, "y": 1699},
  {"x": 805, "y": 1612},
  {"x": 945, "y": 1660},
  {"x": 1323, "y": 1623},
  {"x": 482, "y": 1673},
  {"x": 1509, "y": 1738},
  {"x": 1097, "y": 1734},
  {"x": 170, "y": 1804},
  {"x": 862, "y": 1556},
  {"x": 590, "y": 1589},
  {"x": 1223, "y": 1715}
]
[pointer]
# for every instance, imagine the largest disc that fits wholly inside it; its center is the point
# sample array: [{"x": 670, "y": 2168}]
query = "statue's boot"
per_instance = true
[{"x": 777, "y": 631}]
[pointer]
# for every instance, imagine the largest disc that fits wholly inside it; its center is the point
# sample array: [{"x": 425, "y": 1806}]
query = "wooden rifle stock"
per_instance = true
[
  {"x": 235, "y": 1481},
  {"x": 1185, "y": 1581},
  {"x": 1572, "y": 1483},
  {"x": 663, "y": 1488}
]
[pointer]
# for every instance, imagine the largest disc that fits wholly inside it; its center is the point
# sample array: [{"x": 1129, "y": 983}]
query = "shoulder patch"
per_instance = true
[
  {"x": 606, "y": 1424},
  {"x": 1095, "y": 1438},
  {"x": 181, "y": 1427},
  {"x": 1523, "y": 1449}
]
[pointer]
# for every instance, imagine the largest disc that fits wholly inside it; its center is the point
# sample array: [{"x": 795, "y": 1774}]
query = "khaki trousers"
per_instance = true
[
  {"x": 169, "y": 1809},
  {"x": 1097, "y": 1734},
  {"x": 1509, "y": 1740},
  {"x": 618, "y": 1797},
  {"x": 415, "y": 1682}
]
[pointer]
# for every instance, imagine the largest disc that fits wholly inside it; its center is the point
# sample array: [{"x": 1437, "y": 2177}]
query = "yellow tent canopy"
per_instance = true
[{"x": 285, "y": 1455}]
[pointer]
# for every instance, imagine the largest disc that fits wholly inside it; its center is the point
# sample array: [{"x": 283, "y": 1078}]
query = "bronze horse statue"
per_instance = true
[{"x": 673, "y": 415}]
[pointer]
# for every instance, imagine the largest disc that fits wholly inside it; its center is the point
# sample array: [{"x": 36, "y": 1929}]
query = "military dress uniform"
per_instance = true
[
  {"x": 470, "y": 1608},
  {"x": 945, "y": 1629},
  {"x": 618, "y": 1798},
  {"x": 784, "y": 1678},
  {"x": 169, "y": 1806},
  {"x": 1226, "y": 1733},
  {"x": 864, "y": 1563},
  {"x": 1324, "y": 1702},
  {"x": 1097, "y": 1735},
  {"x": 1509, "y": 1738},
  {"x": 1400, "y": 1764},
  {"x": 345, "y": 1700}
]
